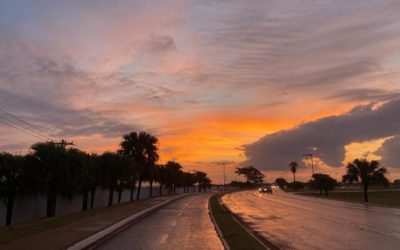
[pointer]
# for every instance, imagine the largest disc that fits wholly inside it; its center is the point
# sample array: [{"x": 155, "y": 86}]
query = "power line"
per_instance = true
[
  {"x": 5, "y": 121},
  {"x": 19, "y": 120},
  {"x": 23, "y": 128}
]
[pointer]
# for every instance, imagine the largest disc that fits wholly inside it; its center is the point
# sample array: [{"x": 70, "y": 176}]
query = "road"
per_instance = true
[
  {"x": 295, "y": 222},
  {"x": 183, "y": 224}
]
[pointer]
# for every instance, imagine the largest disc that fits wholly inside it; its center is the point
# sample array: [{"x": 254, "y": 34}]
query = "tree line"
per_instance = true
[
  {"x": 367, "y": 173},
  {"x": 58, "y": 170}
]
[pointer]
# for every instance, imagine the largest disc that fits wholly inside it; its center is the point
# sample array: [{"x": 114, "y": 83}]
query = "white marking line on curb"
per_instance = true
[
  {"x": 219, "y": 232},
  {"x": 103, "y": 233}
]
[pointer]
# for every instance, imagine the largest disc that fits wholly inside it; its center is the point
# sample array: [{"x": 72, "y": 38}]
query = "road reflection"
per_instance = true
[{"x": 296, "y": 222}]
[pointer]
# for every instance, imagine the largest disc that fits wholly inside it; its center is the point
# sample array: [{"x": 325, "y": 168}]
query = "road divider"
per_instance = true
[{"x": 234, "y": 235}]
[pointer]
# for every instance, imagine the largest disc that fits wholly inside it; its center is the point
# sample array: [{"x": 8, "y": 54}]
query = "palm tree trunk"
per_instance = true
[
  {"x": 366, "y": 192},
  {"x": 160, "y": 189},
  {"x": 111, "y": 196},
  {"x": 139, "y": 187},
  {"x": 294, "y": 177},
  {"x": 119, "y": 195},
  {"x": 133, "y": 186},
  {"x": 151, "y": 188},
  {"x": 10, "y": 206},
  {"x": 51, "y": 202},
  {"x": 85, "y": 195},
  {"x": 93, "y": 192}
]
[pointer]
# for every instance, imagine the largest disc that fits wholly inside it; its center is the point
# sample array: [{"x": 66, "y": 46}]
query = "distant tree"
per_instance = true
[
  {"x": 56, "y": 174},
  {"x": 160, "y": 177},
  {"x": 281, "y": 182},
  {"x": 323, "y": 183},
  {"x": 96, "y": 178},
  {"x": 366, "y": 171},
  {"x": 297, "y": 185},
  {"x": 172, "y": 169},
  {"x": 116, "y": 167},
  {"x": 396, "y": 182},
  {"x": 203, "y": 181},
  {"x": 12, "y": 181},
  {"x": 293, "y": 168},
  {"x": 252, "y": 174},
  {"x": 141, "y": 148}
]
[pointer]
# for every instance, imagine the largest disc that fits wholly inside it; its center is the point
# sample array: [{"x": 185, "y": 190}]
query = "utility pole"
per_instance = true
[
  {"x": 64, "y": 143},
  {"x": 312, "y": 161},
  {"x": 224, "y": 171}
]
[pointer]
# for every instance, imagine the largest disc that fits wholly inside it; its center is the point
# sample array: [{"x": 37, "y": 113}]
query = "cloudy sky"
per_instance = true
[{"x": 247, "y": 82}]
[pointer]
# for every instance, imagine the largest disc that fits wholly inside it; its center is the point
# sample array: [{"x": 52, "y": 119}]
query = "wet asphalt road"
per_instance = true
[
  {"x": 183, "y": 224},
  {"x": 296, "y": 222}
]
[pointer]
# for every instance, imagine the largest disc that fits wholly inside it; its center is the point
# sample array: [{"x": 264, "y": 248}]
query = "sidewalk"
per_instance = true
[{"x": 64, "y": 236}]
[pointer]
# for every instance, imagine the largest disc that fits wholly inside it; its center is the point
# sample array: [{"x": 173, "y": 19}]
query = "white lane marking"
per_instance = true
[{"x": 164, "y": 238}]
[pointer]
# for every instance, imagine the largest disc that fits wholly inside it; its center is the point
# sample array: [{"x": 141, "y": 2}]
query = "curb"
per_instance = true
[
  {"x": 219, "y": 232},
  {"x": 94, "y": 238}
]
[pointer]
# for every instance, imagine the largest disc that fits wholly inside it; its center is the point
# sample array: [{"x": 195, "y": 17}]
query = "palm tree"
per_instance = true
[
  {"x": 141, "y": 148},
  {"x": 116, "y": 168},
  {"x": 96, "y": 178},
  {"x": 366, "y": 171},
  {"x": 201, "y": 178},
  {"x": 160, "y": 177},
  {"x": 173, "y": 169},
  {"x": 293, "y": 168},
  {"x": 56, "y": 175},
  {"x": 11, "y": 181}
]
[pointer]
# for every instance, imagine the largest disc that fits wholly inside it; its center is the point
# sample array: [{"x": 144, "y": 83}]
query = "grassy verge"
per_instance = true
[
  {"x": 77, "y": 219},
  {"x": 35, "y": 226},
  {"x": 390, "y": 198},
  {"x": 234, "y": 234}
]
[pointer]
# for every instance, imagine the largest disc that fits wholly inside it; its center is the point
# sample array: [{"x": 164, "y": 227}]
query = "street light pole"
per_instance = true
[{"x": 312, "y": 161}]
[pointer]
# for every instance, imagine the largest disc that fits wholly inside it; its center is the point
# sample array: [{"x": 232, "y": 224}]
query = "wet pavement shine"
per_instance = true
[
  {"x": 296, "y": 222},
  {"x": 183, "y": 224}
]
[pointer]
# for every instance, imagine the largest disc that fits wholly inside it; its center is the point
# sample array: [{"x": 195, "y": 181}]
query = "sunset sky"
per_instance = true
[{"x": 257, "y": 82}]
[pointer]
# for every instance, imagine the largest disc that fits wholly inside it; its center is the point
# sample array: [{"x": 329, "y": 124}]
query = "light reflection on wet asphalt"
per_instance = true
[
  {"x": 183, "y": 224},
  {"x": 296, "y": 222}
]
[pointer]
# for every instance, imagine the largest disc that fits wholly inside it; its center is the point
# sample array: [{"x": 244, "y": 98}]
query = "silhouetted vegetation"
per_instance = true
[
  {"x": 60, "y": 170},
  {"x": 293, "y": 168},
  {"x": 297, "y": 185},
  {"x": 323, "y": 183},
  {"x": 367, "y": 173},
  {"x": 281, "y": 182},
  {"x": 253, "y": 175}
]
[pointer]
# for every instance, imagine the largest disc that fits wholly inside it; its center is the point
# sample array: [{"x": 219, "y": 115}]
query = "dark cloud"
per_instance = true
[
  {"x": 329, "y": 135},
  {"x": 62, "y": 121},
  {"x": 365, "y": 94},
  {"x": 390, "y": 152}
]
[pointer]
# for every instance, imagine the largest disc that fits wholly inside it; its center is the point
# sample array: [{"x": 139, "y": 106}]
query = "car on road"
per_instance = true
[{"x": 265, "y": 190}]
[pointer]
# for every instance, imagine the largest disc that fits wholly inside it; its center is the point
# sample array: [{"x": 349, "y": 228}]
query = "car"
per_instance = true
[{"x": 263, "y": 190}]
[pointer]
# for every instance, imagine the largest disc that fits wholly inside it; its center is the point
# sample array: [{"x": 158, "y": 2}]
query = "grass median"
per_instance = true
[
  {"x": 234, "y": 234},
  {"x": 384, "y": 197}
]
